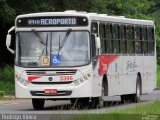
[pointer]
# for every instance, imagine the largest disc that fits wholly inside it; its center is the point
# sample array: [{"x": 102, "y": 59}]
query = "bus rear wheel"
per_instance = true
[
  {"x": 133, "y": 97},
  {"x": 136, "y": 96},
  {"x": 38, "y": 103}
]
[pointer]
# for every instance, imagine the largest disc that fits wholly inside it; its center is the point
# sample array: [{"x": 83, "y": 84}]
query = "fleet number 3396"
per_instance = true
[{"x": 65, "y": 78}]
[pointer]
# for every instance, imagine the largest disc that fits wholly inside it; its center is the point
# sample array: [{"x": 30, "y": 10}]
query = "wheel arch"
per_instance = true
[{"x": 105, "y": 83}]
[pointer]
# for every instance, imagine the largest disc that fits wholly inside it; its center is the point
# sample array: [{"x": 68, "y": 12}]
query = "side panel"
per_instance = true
[
  {"x": 110, "y": 65},
  {"x": 97, "y": 81},
  {"x": 148, "y": 78},
  {"x": 122, "y": 73}
]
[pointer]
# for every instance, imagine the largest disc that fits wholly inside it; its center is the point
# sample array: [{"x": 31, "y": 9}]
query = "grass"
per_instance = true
[
  {"x": 7, "y": 79},
  {"x": 151, "y": 108},
  {"x": 7, "y": 86},
  {"x": 140, "y": 112}
]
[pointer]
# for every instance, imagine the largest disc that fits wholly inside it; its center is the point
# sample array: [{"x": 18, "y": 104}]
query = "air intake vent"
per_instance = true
[{"x": 51, "y": 72}]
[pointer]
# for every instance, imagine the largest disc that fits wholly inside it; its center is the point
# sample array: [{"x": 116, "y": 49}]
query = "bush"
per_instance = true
[
  {"x": 2, "y": 93},
  {"x": 7, "y": 80},
  {"x": 7, "y": 74}
]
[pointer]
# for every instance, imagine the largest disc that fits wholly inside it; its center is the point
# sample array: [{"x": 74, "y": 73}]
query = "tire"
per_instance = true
[
  {"x": 136, "y": 97},
  {"x": 38, "y": 103},
  {"x": 98, "y": 102},
  {"x": 133, "y": 97}
]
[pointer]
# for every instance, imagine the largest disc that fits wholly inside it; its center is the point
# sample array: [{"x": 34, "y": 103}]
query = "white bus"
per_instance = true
[{"x": 82, "y": 57}]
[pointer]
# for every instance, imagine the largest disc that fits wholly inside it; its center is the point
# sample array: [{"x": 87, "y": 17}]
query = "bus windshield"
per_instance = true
[{"x": 52, "y": 49}]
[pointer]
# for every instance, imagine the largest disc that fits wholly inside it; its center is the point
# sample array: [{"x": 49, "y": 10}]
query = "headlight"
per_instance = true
[
  {"x": 80, "y": 80},
  {"x": 22, "y": 81}
]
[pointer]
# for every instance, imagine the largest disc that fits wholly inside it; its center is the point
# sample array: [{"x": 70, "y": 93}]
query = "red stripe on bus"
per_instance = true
[
  {"x": 104, "y": 62},
  {"x": 30, "y": 78}
]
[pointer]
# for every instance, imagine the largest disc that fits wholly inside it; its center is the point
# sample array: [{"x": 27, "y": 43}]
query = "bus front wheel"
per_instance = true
[
  {"x": 38, "y": 103},
  {"x": 98, "y": 102}
]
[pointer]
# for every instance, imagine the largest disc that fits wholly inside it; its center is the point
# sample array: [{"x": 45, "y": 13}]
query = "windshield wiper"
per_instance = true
[
  {"x": 47, "y": 45},
  {"x": 39, "y": 37},
  {"x": 41, "y": 40},
  {"x": 64, "y": 40}
]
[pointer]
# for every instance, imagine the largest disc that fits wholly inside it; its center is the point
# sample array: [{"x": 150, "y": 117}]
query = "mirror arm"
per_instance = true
[
  {"x": 11, "y": 29},
  {"x": 10, "y": 50}
]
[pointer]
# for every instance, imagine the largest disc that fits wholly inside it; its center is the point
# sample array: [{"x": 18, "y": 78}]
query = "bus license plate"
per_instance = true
[{"x": 50, "y": 91}]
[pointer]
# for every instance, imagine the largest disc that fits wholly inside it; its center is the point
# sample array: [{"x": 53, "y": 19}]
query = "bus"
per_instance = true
[{"x": 82, "y": 57}]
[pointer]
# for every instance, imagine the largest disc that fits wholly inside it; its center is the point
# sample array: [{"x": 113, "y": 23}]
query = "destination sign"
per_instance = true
[{"x": 52, "y": 21}]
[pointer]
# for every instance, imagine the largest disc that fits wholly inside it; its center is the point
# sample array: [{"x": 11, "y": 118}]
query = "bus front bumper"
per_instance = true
[{"x": 63, "y": 91}]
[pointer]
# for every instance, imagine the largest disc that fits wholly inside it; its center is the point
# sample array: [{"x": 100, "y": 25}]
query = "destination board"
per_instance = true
[{"x": 53, "y": 21}]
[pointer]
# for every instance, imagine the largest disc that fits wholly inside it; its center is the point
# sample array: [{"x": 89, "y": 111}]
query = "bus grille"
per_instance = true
[
  {"x": 51, "y": 83},
  {"x": 51, "y": 72}
]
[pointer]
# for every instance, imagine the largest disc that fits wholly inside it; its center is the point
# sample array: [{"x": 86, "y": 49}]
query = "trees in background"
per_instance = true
[{"x": 142, "y": 9}]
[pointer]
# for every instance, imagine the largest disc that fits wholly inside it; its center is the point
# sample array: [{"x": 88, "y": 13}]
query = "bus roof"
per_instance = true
[{"x": 92, "y": 17}]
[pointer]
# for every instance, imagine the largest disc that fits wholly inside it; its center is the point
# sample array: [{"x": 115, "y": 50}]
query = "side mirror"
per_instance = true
[
  {"x": 98, "y": 43},
  {"x": 8, "y": 40}
]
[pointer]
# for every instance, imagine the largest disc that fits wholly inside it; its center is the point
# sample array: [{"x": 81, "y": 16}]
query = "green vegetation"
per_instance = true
[
  {"x": 137, "y": 113},
  {"x": 2, "y": 93},
  {"x": 158, "y": 76},
  {"x": 151, "y": 108},
  {"x": 7, "y": 79},
  {"x": 107, "y": 117}
]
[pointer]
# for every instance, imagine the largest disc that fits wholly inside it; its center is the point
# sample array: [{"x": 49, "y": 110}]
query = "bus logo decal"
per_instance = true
[{"x": 131, "y": 65}]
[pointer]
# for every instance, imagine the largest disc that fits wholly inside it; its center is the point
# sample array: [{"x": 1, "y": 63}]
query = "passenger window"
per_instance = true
[
  {"x": 94, "y": 27},
  {"x": 145, "y": 41},
  {"x": 116, "y": 40},
  {"x": 123, "y": 41},
  {"x": 109, "y": 40},
  {"x": 102, "y": 32},
  {"x": 138, "y": 40},
  {"x": 130, "y": 40},
  {"x": 151, "y": 40}
]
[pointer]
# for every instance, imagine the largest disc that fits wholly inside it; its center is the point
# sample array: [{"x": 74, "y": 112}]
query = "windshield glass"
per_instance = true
[{"x": 52, "y": 49}]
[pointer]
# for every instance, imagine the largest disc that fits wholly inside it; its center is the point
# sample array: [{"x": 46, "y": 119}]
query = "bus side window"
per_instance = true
[
  {"x": 138, "y": 40},
  {"x": 116, "y": 38},
  {"x": 94, "y": 27},
  {"x": 109, "y": 37},
  {"x": 151, "y": 40},
  {"x": 145, "y": 41},
  {"x": 123, "y": 39},
  {"x": 102, "y": 36},
  {"x": 93, "y": 46},
  {"x": 130, "y": 40}
]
